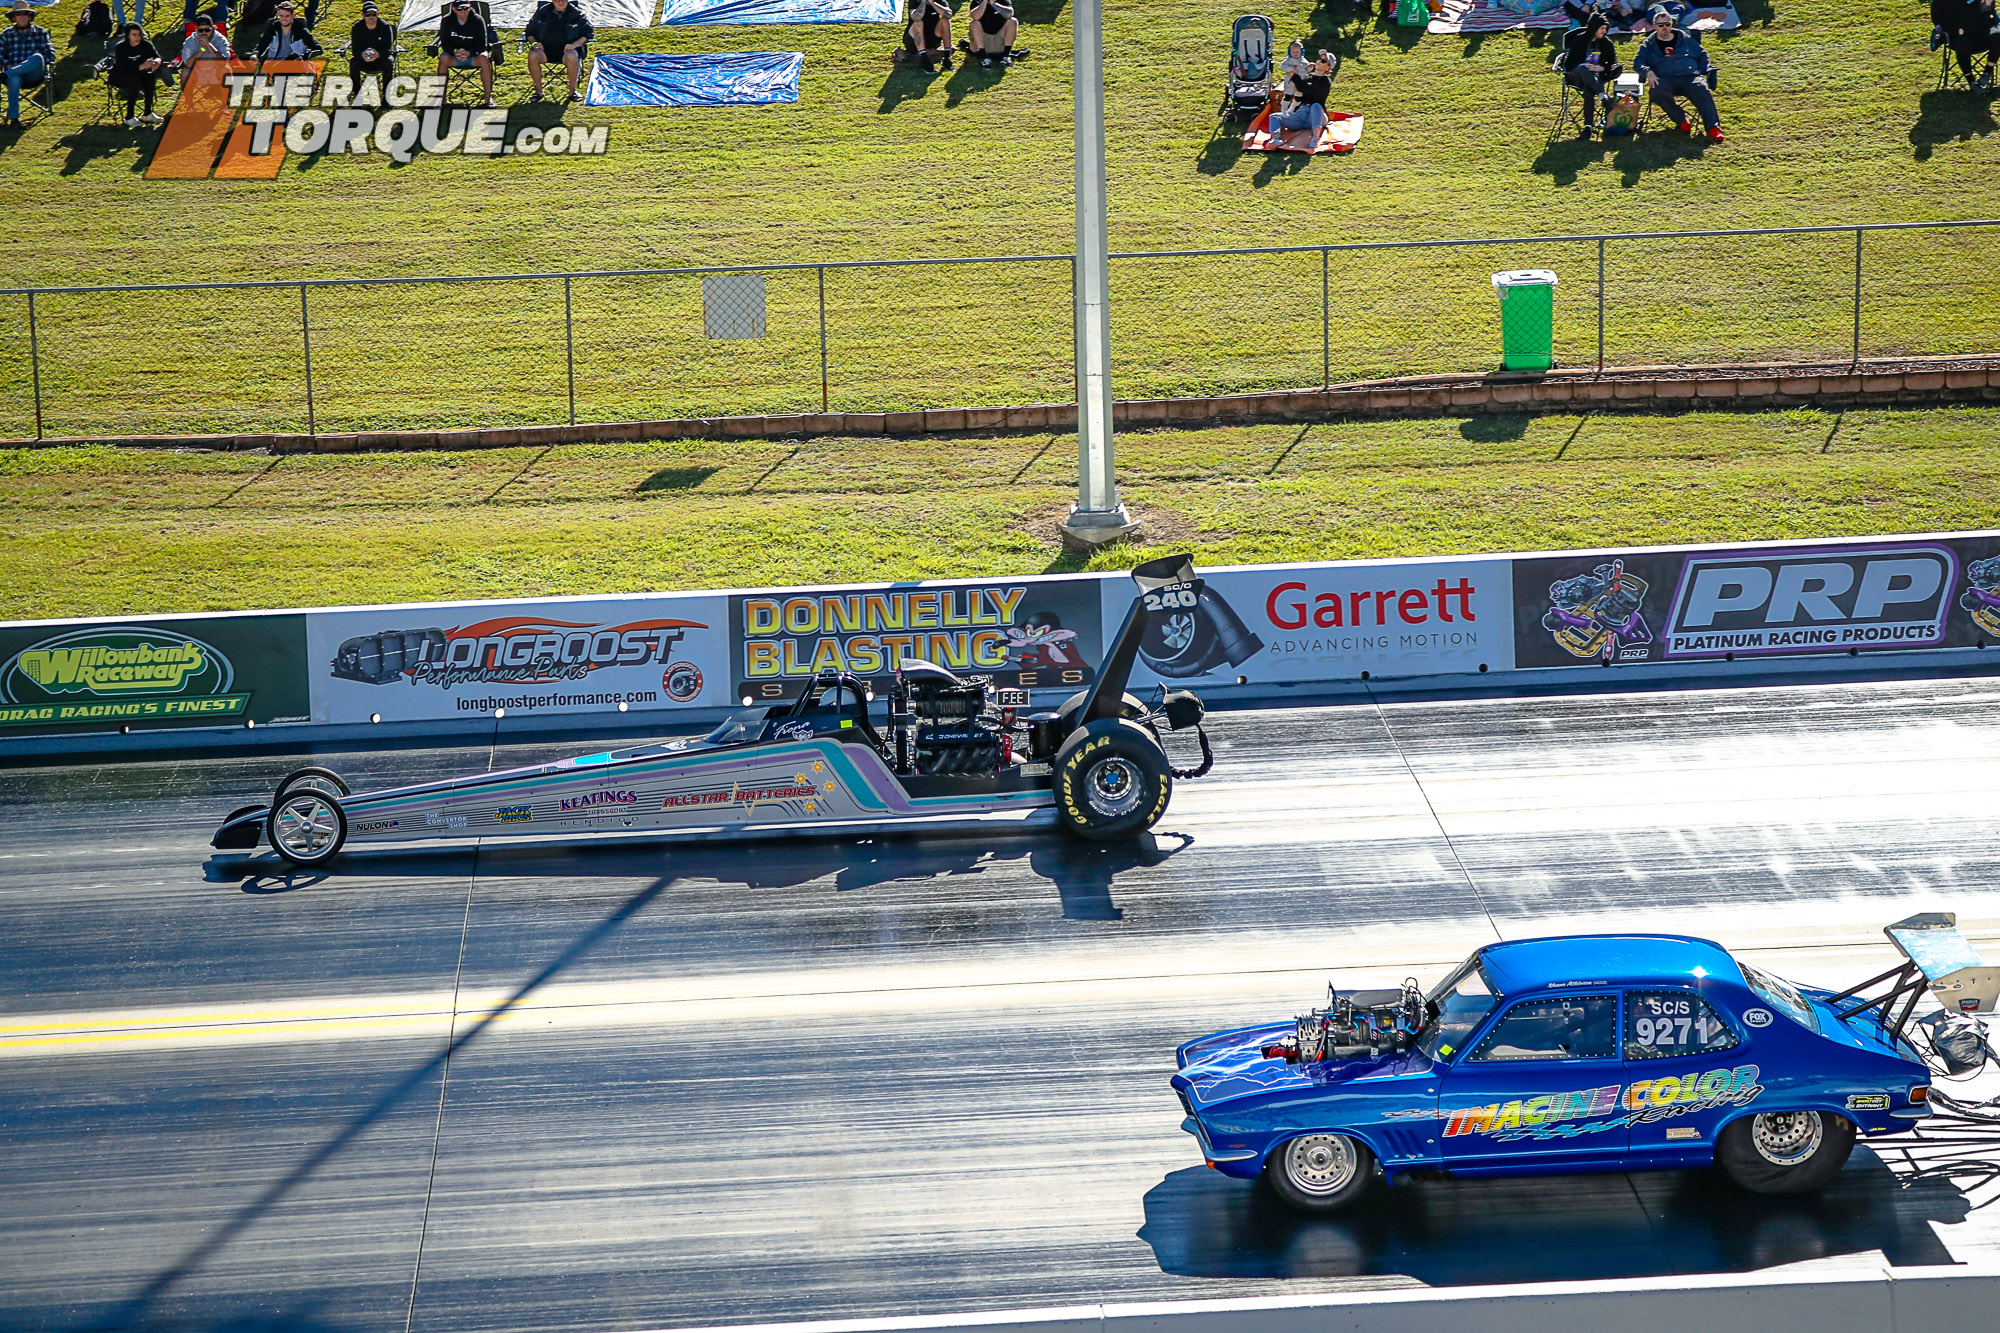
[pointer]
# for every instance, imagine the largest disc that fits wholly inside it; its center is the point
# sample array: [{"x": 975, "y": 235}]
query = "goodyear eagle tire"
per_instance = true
[
  {"x": 1131, "y": 706},
  {"x": 1111, "y": 780},
  {"x": 306, "y": 825},
  {"x": 1321, "y": 1173},
  {"x": 1785, "y": 1152}
]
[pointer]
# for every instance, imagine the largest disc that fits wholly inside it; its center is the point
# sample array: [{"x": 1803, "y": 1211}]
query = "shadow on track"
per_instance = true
[{"x": 1548, "y": 1229}]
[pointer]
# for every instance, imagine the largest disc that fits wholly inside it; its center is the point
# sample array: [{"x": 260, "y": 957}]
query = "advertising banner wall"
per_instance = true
[
  {"x": 1720, "y": 603},
  {"x": 1294, "y": 623},
  {"x": 556, "y": 657},
  {"x": 1038, "y": 633},
  {"x": 177, "y": 672}
]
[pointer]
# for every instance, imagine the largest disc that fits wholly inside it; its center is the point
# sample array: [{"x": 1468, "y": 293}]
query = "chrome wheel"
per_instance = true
[
  {"x": 306, "y": 826},
  {"x": 1320, "y": 1164},
  {"x": 1786, "y": 1138},
  {"x": 1112, "y": 787}
]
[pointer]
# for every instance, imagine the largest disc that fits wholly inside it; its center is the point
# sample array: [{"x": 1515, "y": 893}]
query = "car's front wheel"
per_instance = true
[
  {"x": 307, "y": 826},
  {"x": 1321, "y": 1172},
  {"x": 1785, "y": 1152}
]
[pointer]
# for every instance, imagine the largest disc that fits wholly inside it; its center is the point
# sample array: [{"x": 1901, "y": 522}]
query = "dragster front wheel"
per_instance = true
[
  {"x": 307, "y": 825},
  {"x": 1111, "y": 780}
]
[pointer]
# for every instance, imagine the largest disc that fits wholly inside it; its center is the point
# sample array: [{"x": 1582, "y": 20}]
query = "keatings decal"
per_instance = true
[
  {"x": 514, "y": 650},
  {"x": 593, "y": 800},
  {"x": 1030, "y": 634},
  {"x": 1564, "y": 1115},
  {"x": 194, "y": 673},
  {"x": 1845, "y": 598}
]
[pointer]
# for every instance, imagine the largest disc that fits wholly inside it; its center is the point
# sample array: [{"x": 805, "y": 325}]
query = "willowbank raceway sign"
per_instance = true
[{"x": 152, "y": 673}]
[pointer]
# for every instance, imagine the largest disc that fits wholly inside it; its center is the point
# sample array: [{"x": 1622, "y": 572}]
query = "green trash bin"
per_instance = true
[{"x": 1527, "y": 318}]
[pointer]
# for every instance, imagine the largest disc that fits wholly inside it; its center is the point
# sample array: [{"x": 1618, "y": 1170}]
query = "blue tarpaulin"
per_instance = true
[
  {"x": 742, "y": 78},
  {"x": 781, "y": 11}
]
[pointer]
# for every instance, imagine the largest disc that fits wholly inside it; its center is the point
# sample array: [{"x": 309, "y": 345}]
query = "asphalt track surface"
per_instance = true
[{"x": 654, "y": 1086}]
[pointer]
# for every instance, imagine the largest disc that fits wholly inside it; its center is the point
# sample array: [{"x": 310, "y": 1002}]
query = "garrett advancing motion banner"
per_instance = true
[{"x": 1709, "y": 603}]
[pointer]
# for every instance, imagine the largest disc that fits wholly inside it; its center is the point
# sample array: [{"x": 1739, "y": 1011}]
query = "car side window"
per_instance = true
[
  {"x": 1568, "y": 1027},
  {"x": 1663, "y": 1023}
]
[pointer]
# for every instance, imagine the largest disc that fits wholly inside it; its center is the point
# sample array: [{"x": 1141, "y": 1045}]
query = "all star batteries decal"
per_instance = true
[{"x": 183, "y": 673}]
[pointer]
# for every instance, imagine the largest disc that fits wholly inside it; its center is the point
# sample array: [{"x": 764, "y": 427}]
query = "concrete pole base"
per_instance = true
[{"x": 1087, "y": 529}]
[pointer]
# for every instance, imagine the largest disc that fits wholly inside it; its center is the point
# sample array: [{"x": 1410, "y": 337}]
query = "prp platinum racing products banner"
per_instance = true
[
  {"x": 1037, "y": 633},
  {"x": 1709, "y": 603},
  {"x": 541, "y": 658},
  {"x": 1279, "y": 623},
  {"x": 187, "y": 672}
]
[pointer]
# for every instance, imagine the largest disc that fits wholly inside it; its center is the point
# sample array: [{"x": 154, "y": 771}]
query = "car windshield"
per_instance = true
[
  {"x": 746, "y": 724},
  {"x": 1458, "y": 1005},
  {"x": 1780, "y": 995}
]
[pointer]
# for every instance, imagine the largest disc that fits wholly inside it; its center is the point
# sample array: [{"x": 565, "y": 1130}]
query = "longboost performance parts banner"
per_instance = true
[
  {"x": 152, "y": 673},
  {"x": 1034, "y": 633},
  {"x": 239, "y": 120},
  {"x": 1330, "y": 622},
  {"x": 400, "y": 664},
  {"x": 1697, "y": 604}
]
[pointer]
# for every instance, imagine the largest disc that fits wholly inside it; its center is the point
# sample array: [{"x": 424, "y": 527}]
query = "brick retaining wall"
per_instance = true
[{"x": 1625, "y": 389}]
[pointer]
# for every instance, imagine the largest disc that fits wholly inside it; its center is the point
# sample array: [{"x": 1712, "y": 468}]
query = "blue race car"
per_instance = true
[{"x": 1580, "y": 1053}]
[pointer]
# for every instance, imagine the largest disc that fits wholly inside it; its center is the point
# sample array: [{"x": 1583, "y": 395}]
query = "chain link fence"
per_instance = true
[{"x": 372, "y": 354}]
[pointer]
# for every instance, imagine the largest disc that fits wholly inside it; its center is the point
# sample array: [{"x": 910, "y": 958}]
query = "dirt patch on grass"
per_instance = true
[{"x": 1158, "y": 525}]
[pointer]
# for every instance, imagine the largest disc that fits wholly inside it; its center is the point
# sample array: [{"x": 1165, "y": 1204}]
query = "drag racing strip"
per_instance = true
[{"x": 1827, "y": 955}]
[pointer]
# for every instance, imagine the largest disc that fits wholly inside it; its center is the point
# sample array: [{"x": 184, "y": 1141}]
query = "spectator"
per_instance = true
[
  {"x": 206, "y": 42},
  {"x": 1622, "y": 14},
  {"x": 371, "y": 47},
  {"x": 288, "y": 38},
  {"x": 993, "y": 29},
  {"x": 219, "y": 8},
  {"x": 561, "y": 33},
  {"x": 1969, "y": 29},
  {"x": 464, "y": 42},
  {"x": 1314, "y": 88},
  {"x": 1294, "y": 67},
  {"x": 927, "y": 40},
  {"x": 26, "y": 56},
  {"x": 138, "y": 15},
  {"x": 1589, "y": 63},
  {"x": 135, "y": 72},
  {"x": 1673, "y": 64}
]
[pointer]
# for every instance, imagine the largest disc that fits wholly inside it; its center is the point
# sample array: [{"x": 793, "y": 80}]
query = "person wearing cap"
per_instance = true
[
  {"x": 288, "y": 39},
  {"x": 206, "y": 42},
  {"x": 463, "y": 43},
  {"x": 371, "y": 47},
  {"x": 558, "y": 32},
  {"x": 135, "y": 72},
  {"x": 1673, "y": 64},
  {"x": 26, "y": 56}
]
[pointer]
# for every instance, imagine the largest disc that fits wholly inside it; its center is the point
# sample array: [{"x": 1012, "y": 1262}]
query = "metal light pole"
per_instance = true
[{"x": 1099, "y": 515}]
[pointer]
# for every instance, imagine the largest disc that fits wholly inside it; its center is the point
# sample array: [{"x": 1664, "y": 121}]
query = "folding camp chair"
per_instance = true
[
  {"x": 1950, "y": 77},
  {"x": 457, "y": 76},
  {"x": 345, "y": 52},
  {"x": 1569, "y": 111}
]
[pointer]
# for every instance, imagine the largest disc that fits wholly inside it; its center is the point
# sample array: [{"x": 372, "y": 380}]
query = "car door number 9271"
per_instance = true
[{"x": 1662, "y": 1023}]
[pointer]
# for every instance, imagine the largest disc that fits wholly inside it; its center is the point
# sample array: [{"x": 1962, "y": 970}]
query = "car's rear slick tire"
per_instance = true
[
  {"x": 307, "y": 826},
  {"x": 1785, "y": 1152},
  {"x": 323, "y": 776},
  {"x": 1321, "y": 1173},
  {"x": 1111, "y": 780}
]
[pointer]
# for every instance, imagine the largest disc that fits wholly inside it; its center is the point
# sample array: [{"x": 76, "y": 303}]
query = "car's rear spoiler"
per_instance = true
[{"x": 1939, "y": 960}]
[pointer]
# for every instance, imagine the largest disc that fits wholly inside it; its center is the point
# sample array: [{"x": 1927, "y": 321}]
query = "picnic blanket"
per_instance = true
[
  {"x": 423, "y": 15},
  {"x": 1339, "y": 135},
  {"x": 739, "y": 78},
  {"x": 781, "y": 11},
  {"x": 1479, "y": 16}
]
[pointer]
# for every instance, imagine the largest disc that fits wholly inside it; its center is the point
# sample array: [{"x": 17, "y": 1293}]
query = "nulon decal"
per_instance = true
[{"x": 520, "y": 650}]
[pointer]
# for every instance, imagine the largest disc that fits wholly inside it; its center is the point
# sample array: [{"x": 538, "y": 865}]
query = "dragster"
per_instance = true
[{"x": 949, "y": 752}]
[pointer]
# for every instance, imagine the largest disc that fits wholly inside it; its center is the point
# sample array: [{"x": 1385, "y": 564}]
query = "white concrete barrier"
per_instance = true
[{"x": 1849, "y": 1299}]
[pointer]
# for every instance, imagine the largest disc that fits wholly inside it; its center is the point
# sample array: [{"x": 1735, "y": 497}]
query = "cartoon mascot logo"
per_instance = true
[
  {"x": 1982, "y": 594},
  {"x": 1597, "y": 614}
]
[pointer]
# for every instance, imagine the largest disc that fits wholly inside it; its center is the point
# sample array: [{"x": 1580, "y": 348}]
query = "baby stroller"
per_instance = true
[{"x": 1248, "y": 88}]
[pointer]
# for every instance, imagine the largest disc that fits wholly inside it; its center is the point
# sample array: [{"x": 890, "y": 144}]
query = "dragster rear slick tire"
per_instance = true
[
  {"x": 1112, "y": 780},
  {"x": 325, "y": 777},
  {"x": 1784, "y": 1152}
]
